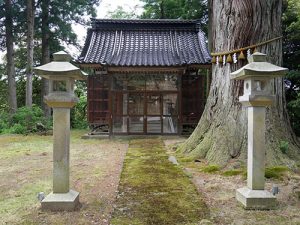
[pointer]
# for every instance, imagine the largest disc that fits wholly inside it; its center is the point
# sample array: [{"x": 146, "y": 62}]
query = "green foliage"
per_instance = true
[
  {"x": 177, "y": 9},
  {"x": 291, "y": 59},
  {"x": 62, "y": 15},
  {"x": 276, "y": 172},
  {"x": 210, "y": 169},
  {"x": 25, "y": 120},
  {"x": 18, "y": 129},
  {"x": 120, "y": 13},
  {"x": 294, "y": 113},
  {"x": 79, "y": 112},
  {"x": 4, "y": 121},
  {"x": 4, "y": 89},
  {"x": 284, "y": 146},
  {"x": 162, "y": 9},
  {"x": 291, "y": 33}
]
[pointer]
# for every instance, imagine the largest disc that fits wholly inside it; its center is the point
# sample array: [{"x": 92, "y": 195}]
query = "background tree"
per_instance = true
[
  {"x": 45, "y": 6},
  {"x": 30, "y": 47},
  {"x": 9, "y": 37},
  {"x": 220, "y": 135},
  {"x": 56, "y": 21},
  {"x": 58, "y": 35}
]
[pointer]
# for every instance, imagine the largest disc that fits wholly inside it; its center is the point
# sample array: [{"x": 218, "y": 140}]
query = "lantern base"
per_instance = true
[
  {"x": 61, "y": 201},
  {"x": 255, "y": 199}
]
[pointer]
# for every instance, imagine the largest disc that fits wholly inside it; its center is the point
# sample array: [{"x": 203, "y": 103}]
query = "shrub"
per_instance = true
[
  {"x": 79, "y": 114},
  {"x": 24, "y": 121},
  {"x": 4, "y": 122},
  {"x": 18, "y": 129}
]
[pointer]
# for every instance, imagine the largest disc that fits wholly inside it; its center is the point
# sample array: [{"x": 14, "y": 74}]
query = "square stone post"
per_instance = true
[
  {"x": 256, "y": 148},
  {"x": 61, "y": 152},
  {"x": 61, "y": 98},
  {"x": 257, "y": 96}
]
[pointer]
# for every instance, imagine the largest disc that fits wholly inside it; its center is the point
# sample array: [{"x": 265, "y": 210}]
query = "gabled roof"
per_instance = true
[{"x": 145, "y": 43}]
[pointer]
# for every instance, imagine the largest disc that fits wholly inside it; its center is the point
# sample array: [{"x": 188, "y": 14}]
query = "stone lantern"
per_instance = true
[
  {"x": 257, "y": 96},
  {"x": 61, "y": 75}
]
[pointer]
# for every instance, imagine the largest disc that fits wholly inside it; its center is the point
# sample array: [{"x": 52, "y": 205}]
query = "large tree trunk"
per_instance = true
[
  {"x": 221, "y": 135},
  {"x": 29, "y": 69},
  {"x": 11, "y": 72},
  {"x": 45, "y": 52}
]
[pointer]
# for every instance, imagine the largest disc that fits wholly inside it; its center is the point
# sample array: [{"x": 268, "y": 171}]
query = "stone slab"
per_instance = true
[
  {"x": 61, "y": 201},
  {"x": 255, "y": 199}
]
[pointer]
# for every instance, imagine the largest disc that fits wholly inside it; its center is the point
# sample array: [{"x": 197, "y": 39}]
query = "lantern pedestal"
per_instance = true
[
  {"x": 61, "y": 75},
  {"x": 257, "y": 96},
  {"x": 62, "y": 198},
  {"x": 255, "y": 199},
  {"x": 61, "y": 201},
  {"x": 254, "y": 196}
]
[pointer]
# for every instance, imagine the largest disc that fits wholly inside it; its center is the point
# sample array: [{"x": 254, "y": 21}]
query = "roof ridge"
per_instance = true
[
  {"x": 144, "y": 20},
  {"x": 145, "y": 24}
]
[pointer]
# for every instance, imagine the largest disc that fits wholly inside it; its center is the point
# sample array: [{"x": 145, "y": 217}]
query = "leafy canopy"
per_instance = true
[{"x": 177, "y": 9}]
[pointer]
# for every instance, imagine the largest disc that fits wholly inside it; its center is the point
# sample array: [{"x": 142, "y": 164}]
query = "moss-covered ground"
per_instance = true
[{"x": 152, "y": 190}]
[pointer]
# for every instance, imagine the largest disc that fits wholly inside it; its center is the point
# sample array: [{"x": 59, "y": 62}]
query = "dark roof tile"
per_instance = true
[{"x": 145, "y": 43}]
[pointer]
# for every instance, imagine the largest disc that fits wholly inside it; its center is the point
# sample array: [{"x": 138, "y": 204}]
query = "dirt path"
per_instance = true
[{"x": 154, "y": 191}]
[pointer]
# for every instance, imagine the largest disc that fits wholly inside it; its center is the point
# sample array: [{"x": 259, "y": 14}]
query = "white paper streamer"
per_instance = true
[
  {"x": 248, "y": 53},
  {"x": 234, "y": 58}
]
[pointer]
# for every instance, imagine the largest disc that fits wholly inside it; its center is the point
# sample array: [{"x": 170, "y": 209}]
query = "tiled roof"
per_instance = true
[{"x": 145, "y": 43}]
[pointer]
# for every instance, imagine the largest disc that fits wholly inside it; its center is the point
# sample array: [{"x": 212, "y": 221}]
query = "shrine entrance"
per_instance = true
[{"x": 145, "y": 104}]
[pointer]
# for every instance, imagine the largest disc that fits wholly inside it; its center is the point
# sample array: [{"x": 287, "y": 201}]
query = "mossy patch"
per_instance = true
[
  {"x": 276, "y": 172},
  {"x": 210, "y": 169},
  {"x": 154, "y": 191},
  {"x": 229, "y": 173}
]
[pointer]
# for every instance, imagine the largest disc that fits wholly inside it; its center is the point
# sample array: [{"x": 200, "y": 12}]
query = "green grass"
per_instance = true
[
  {"x": 26, "y": 169},
  {"x": 154, "y": 191},
  {"x": 19, "y": 146},
  {"x": 17, "y": 203}
]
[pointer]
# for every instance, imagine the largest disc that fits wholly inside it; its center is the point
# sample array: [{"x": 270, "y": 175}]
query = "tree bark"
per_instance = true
[
  {"x": 11, "y": 72},
  {"x": 221, "y": 135},
  {"x": 45, "y": 52},
  {"x": 30, "y": 46}
]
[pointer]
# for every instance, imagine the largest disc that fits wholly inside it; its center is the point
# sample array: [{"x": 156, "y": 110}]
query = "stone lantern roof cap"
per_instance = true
[
  {"x": 258, "y": 67},
  {"x": 60, "y": 68},
  {"x": 61, "y": 56}
]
